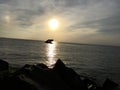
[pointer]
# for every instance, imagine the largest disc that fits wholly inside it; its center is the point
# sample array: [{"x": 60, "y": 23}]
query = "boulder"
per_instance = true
[
  {"x": 42, "y": 66},
  {"x": 109, "y": 84},
  {"x": 3, "y": 65},
  {"x": 47, "y": 78},
  {"x": 88, "y": 84},
  {"x": 42, "y": 76},
  {"x": 70, "y": 77},
  {"x": 59, "y": 65},
  {"x": 16, "y": 83}
]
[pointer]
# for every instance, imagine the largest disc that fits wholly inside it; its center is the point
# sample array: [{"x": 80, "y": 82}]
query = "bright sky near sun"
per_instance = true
[
  {"x": 7, "y": 18},
  {"x": 81, "y": 21},
  {"x": 53, "y": 23}
]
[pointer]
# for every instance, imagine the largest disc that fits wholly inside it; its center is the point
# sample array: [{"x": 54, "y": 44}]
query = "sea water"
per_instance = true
[{"x": 96, "y": 61}]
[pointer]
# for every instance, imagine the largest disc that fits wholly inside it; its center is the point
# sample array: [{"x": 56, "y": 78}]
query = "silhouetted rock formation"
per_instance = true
[
  {"x": 70, "y": 77},
  {"x": 40, "y": 77},
  {"x": 3, "y": 65}
]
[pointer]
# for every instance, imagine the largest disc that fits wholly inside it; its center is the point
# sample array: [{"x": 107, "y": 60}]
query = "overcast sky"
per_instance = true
[{"x": 82, "y": 21}]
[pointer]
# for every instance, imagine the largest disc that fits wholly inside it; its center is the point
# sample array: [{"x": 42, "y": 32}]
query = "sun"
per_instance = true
[{"x": 53, "y": 24}]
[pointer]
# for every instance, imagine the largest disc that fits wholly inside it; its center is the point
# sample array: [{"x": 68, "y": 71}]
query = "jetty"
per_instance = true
[{"x": 40, "y": 77}]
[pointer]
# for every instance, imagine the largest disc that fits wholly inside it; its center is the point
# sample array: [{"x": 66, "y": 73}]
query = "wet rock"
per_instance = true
[{"x": 3, "y": 65}]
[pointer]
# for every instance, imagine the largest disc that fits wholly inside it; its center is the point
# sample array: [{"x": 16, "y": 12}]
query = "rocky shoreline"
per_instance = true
[{"x": 40, "y": 77}]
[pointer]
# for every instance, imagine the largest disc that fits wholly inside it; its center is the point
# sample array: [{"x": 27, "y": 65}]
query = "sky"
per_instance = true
[{"x": 81, "y": 21}]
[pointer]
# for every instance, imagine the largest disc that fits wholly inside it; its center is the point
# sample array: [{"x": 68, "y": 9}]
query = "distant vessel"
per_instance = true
[{"x": 49, "y": 41}]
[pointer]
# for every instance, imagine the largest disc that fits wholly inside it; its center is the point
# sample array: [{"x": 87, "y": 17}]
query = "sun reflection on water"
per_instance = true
[{"x": 51, "y": 52}]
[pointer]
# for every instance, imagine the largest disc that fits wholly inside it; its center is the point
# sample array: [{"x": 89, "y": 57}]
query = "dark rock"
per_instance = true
[
  {"x": 40, "y": 77},
  {"x": 46, "y": 78},
  {"x": 3, "y": 65},
  {"x": 16, "y": 83},
  {"x": 88, "y": 84},
  {"x": 42, "y": 66},
  {"x": 24, "y": 70},
  {"x": 70, "y": 77},
  {"x": 59, "y": 65},
  {"x": 109, "y": 84}
]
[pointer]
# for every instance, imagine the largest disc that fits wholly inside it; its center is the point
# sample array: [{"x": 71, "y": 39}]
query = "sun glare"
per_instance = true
[
  {"x": 7, "y": 18},
  {"x": 53, "y": 24}
]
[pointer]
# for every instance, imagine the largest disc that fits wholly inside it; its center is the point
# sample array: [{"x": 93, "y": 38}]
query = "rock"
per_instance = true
[
  {"x": 24, "y": 70},
  {"x": 59, "y": 65},
  {"x": 40, "y": 77},
  {"x": 42, "y": 66},
  {"x": 3, "y": 65},
  {"x": 109, "y": 84},
  {"x": 88, "y": 84},
  {"x": 44, "y": 77},
  {"x": 47, "y": 78},
  {"x": 16, "y": 83},
  {"x": 70, "y": 77}
]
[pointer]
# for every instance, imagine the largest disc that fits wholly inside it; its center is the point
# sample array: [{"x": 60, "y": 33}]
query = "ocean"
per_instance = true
[{"x": 97, "y": 61}]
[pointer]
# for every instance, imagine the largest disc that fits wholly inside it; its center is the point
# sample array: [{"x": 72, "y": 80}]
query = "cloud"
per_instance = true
[
  {"x": 4, "y": 1},
  {"x": 110, "y": 25},
  {"x": 102, "y": 16},
  {"x": 25, "y": 17},
  {"x": 82, "y": 20},
  {"x": 70, "y": 3}
]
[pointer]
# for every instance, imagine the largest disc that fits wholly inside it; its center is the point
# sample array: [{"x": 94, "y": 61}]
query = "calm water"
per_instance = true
[{"x": 90, "y": 60}]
